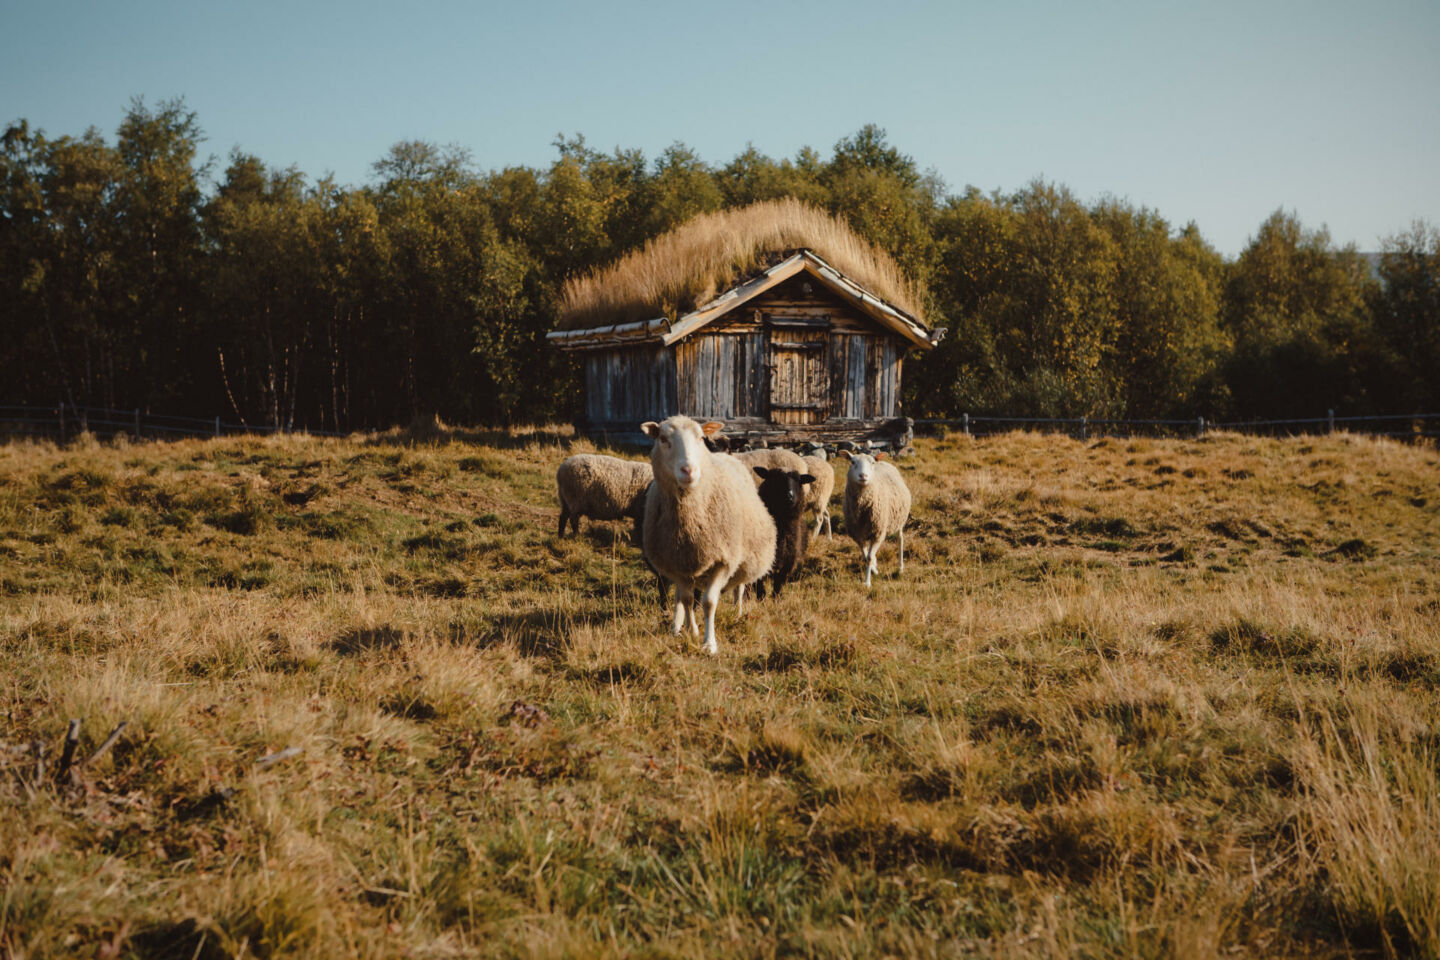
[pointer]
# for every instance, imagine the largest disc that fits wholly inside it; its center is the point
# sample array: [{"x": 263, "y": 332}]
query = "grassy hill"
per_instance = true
[{"x": 1131, "y": 698}]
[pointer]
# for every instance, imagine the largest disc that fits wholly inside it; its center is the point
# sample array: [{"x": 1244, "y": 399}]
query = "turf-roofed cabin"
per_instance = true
[{"x": 796, "y": 347}]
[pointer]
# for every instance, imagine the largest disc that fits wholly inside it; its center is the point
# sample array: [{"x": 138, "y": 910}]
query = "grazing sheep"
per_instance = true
[
  {"x": 817, "y": 494},
  {"x": 705, "y": 527},
  {"x": 783, "y": 493},
  {"x": 601, "y": 488},
  {"x": 877, "y": 504}
]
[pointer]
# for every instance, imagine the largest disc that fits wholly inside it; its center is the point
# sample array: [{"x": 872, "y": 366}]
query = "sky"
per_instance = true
[{"x": 1215, "y": 112}]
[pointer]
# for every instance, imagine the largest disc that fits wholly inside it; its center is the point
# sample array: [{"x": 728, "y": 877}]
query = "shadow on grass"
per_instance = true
[
  {"x": 368, "y": 640},
  {"x": 542, "y": 633}
]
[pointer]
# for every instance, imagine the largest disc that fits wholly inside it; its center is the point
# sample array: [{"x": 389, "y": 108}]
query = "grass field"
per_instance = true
[{"x": 1131, "y": 698}]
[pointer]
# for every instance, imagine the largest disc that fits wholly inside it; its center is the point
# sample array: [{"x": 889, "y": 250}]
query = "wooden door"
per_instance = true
[{"x": 799, "y": 388}]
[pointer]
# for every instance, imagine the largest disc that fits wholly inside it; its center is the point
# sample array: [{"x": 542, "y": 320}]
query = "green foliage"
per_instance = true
[
  {"x": 1406, "y": 307},
  {"x": 1295, "y": 307},
  {"x": 276, "y": 299}
]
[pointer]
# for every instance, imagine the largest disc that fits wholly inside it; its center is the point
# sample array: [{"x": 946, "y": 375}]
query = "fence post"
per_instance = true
[
  {"x": 1199, "y": 427},
  {"x": 217, "y": 426},
  {"x": 137, "y": 423},
  {"x": 1330, "y": 418},
  {"x": 1084, "y": 427},
  {"x": 965, "y": 421}
]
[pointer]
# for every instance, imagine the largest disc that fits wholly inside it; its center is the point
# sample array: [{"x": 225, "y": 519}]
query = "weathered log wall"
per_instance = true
[{"x": 796, "y": 361}]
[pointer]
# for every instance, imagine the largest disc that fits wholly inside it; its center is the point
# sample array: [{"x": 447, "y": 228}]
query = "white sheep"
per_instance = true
[
  {"x": 817, "y": 494},
  {"x": 705, "y": 527},
  {"x": 877, "y": 503},
  {"x": 601, "y": 488}
]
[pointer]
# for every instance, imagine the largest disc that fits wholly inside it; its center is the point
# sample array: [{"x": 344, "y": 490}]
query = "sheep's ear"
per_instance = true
[
  {"x": 881, "y": 455},
  {"x": 845, "y": 454},
  {"x": 712, "y": 428},
  {"x": 762, "y": 472},
  {"x": 650, "y": 428},
  {"x": 806, "y": 478}
]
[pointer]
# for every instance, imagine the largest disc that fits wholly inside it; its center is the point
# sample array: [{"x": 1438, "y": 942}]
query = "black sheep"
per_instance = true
[{"x": 782, "y": 492}]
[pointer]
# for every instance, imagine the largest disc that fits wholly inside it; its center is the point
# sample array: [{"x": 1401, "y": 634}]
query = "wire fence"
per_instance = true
[
  {"x": 65, "y": 421},
  {"x": 1409, "y": 426}
]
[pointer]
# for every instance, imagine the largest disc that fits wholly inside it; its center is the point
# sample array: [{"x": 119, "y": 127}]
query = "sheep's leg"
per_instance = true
[
  {"x": 740, "y": 601},
  {"x": 681, "y": 593},
  {"x": 711, "y": 601},
  {"x": 902, "y": 549},
  {"x": 867, "y": 561},
  {"x": 829, "y": 533},
  {"x": 564, "y": 518},
  {"x": 819, "y": 522}
]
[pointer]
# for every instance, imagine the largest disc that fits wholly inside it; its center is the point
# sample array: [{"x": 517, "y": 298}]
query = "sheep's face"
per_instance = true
[
  {"x": 783, "y": 490},
  {"x": 862, "y": 469},
  {"x": 679, "y": 457}
]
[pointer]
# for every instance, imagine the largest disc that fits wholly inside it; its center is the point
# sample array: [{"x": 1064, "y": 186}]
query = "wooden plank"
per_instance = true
[
  {"x": 855, "y": 386},
  {"x": 760, "y": 382},
  {"x": 685, "y": 376},
  {"x": 704, "y": 375},
  {"x": 728, "y": 370}
]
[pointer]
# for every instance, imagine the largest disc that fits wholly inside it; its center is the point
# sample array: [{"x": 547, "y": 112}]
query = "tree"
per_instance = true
[
  {"x": 1296, "y": 309},
  {"x": 1406, "y": 308},
  {"x": 1169, "y": 342},
  {"x": 153, "y": 358}
]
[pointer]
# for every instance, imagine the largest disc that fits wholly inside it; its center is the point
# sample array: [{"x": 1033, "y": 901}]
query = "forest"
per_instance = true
[{"x": 135, "y": 272}]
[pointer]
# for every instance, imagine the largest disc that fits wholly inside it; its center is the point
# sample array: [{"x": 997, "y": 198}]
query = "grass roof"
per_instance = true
[{"x": 707, "y": 255}]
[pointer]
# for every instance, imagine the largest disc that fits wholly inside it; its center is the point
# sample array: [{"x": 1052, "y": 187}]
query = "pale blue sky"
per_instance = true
[{"x": 1217, "y": 112}]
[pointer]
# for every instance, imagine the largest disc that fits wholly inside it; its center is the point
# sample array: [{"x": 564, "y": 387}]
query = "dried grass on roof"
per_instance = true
[{"x": 692, "y": 264}]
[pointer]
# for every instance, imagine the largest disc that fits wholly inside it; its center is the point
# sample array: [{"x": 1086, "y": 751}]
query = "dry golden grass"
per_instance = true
[
  {"x": 689, "y": 266},
  {"x": 1132, "y": 699}
]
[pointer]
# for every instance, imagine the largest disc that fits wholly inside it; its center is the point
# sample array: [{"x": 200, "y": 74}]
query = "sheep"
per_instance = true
[
  {"x": 783, "y": 493},
  {"x": 817, "y": 494},
  {"x": 705, "y": 527},
  {"x": 877, "y": 503},
  {"x": 773, "y": 458},
  {"x": 601, "y": 488},
  {"x": 777, "y": 458}
]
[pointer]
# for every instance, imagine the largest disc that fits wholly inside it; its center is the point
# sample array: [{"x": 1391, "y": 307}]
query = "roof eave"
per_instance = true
[{"x": 639, "y": 331}]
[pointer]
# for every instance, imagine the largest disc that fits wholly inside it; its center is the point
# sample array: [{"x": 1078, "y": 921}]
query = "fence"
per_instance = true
[
  {"x": 1415, "y": 426},
  {"x": 64, "y": 421}
]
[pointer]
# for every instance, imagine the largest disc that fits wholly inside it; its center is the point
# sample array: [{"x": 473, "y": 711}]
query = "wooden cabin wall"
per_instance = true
[
  {"x": 787, "y": 360},
  {"x": 863, "y": 361},
  {"x": 723, "y": 375},
  {"x": 629, "y": 385}
]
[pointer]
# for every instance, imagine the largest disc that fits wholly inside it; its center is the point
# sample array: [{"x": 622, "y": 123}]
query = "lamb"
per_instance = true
[
  {"x": 817, "y": 499},
  {"x": 877, "y": 503},
  {"x": 705, "y": 527},
  {"x": 601, "y": 488},
  {"x": 783, "y": 493},
  {"x": 817, "y": 494}
]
